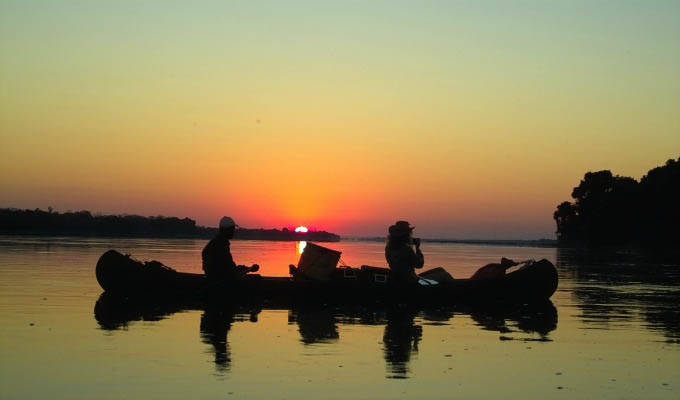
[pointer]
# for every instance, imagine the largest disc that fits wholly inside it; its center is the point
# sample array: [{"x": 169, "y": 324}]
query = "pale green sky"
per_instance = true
[{"x": 472, "y": 119}]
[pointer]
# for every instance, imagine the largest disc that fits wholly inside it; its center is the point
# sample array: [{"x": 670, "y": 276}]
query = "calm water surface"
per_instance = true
[{"x": 611, "y": 331}]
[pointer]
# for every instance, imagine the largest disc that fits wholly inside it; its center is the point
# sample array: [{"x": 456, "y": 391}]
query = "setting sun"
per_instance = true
[{"x": 301, "y": 229}]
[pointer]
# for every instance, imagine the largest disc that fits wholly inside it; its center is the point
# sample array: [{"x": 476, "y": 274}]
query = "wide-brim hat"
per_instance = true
[
  {"x": 401, "y": 228},
  {"x": 227, "y": 223}
]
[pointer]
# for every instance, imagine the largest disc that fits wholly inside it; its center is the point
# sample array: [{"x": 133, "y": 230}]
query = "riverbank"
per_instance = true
[
  {"x": 548, "y": 243},
  {"x": 84, "y": 224}
]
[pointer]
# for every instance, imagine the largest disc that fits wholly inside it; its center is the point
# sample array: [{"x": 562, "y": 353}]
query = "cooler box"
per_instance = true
[
  {"x": 379, "y": 275},
  {"x": 317, "y": 262}
]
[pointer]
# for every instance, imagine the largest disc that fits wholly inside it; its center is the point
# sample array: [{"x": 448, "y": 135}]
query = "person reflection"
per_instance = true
[
  {"x": 215, "y": 325},
  {"x": 316, "y": 325},
  {"x": 401, "y": 338}
]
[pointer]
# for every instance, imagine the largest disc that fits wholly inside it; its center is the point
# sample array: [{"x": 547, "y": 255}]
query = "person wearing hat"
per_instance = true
[
  {"x": 400, "y": 254},
  {"x": 218, "y": 264}
]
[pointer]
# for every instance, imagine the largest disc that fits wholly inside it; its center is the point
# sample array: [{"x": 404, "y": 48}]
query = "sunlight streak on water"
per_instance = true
[{"x": 301, "y": 246}]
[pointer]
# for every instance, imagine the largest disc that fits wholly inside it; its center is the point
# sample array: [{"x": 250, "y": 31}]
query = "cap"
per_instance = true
[
  {"x": 227, "y": 222},
  {"x": 401, "y": 228}
]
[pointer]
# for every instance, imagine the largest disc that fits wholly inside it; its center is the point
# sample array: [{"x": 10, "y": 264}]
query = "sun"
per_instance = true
[{"x": 301, "y": 229}]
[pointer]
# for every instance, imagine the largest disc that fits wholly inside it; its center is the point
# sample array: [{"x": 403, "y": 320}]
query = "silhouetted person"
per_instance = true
[
  {"x": 218, "y": 263},
  {"x": 400, "y": 255},
  {"x": 492, "y": 271}
]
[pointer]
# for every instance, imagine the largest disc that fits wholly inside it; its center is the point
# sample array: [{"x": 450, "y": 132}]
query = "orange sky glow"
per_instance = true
[{"x": 467, "y": 123}]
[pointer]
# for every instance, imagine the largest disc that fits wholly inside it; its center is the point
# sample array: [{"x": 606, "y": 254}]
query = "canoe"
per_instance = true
[{"x": 123, "y": 275}]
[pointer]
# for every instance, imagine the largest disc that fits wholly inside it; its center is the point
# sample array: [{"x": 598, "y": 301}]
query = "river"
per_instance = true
[{"x": 612, "y": 330}]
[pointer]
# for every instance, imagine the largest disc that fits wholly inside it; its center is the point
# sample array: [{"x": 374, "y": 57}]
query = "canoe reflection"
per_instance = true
[
  {"x": 536, "y": 318},
  {"x": 113, "y": 312},
  {"x": 316, "y": 324},
  {"x": 402, "y": 335}
]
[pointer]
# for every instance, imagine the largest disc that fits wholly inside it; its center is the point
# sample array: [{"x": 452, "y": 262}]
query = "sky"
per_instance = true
[{"x": 470, "y": 119}]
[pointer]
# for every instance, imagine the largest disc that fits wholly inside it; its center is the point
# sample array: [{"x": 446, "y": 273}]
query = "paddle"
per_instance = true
[{"x": 507, "y": 263}]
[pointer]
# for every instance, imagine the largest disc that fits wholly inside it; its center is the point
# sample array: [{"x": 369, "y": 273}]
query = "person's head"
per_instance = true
[
  {"x": 227, "y": 227},
  {"x": 400, "y": 233}
]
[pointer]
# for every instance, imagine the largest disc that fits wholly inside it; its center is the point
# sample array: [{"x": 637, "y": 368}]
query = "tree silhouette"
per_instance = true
[
  {"x": 661, "y": 204},
  {"x": 568, "y": 223},
  {"x": 610, "y": 209}
]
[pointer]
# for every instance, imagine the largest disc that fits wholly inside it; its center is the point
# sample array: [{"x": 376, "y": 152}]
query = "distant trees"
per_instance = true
[
  {"x": 83, "y": 223},
  {"x": 610, "y": 209}
]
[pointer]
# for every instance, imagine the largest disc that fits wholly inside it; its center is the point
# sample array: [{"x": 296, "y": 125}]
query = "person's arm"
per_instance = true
[
  {"x": 231, "y": 264},
  {"x": 228, "y": 259},
  {"x": 419, "y": 259}
]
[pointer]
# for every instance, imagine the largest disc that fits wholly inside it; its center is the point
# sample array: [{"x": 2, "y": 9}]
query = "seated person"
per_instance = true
[
  {"x": 494, "y": 271},
  {"x": 400, "y": 255},
  {"x": 218, "y": 263}
]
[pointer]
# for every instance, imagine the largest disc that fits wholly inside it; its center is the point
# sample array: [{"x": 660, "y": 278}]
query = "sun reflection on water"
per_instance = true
[{"x": 301, "y": 246}]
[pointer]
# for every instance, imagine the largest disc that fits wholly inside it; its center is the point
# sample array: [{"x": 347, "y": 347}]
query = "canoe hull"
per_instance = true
[{"x": 119, "y": 274}]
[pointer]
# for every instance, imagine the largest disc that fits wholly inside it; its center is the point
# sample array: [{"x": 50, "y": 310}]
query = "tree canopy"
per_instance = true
[{"x": 613, "y": 210}]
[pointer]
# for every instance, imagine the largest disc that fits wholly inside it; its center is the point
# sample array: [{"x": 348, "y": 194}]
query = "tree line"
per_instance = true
[
  {"x": 84, "y": 223},
  {"x": 618, "y": 210}
]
